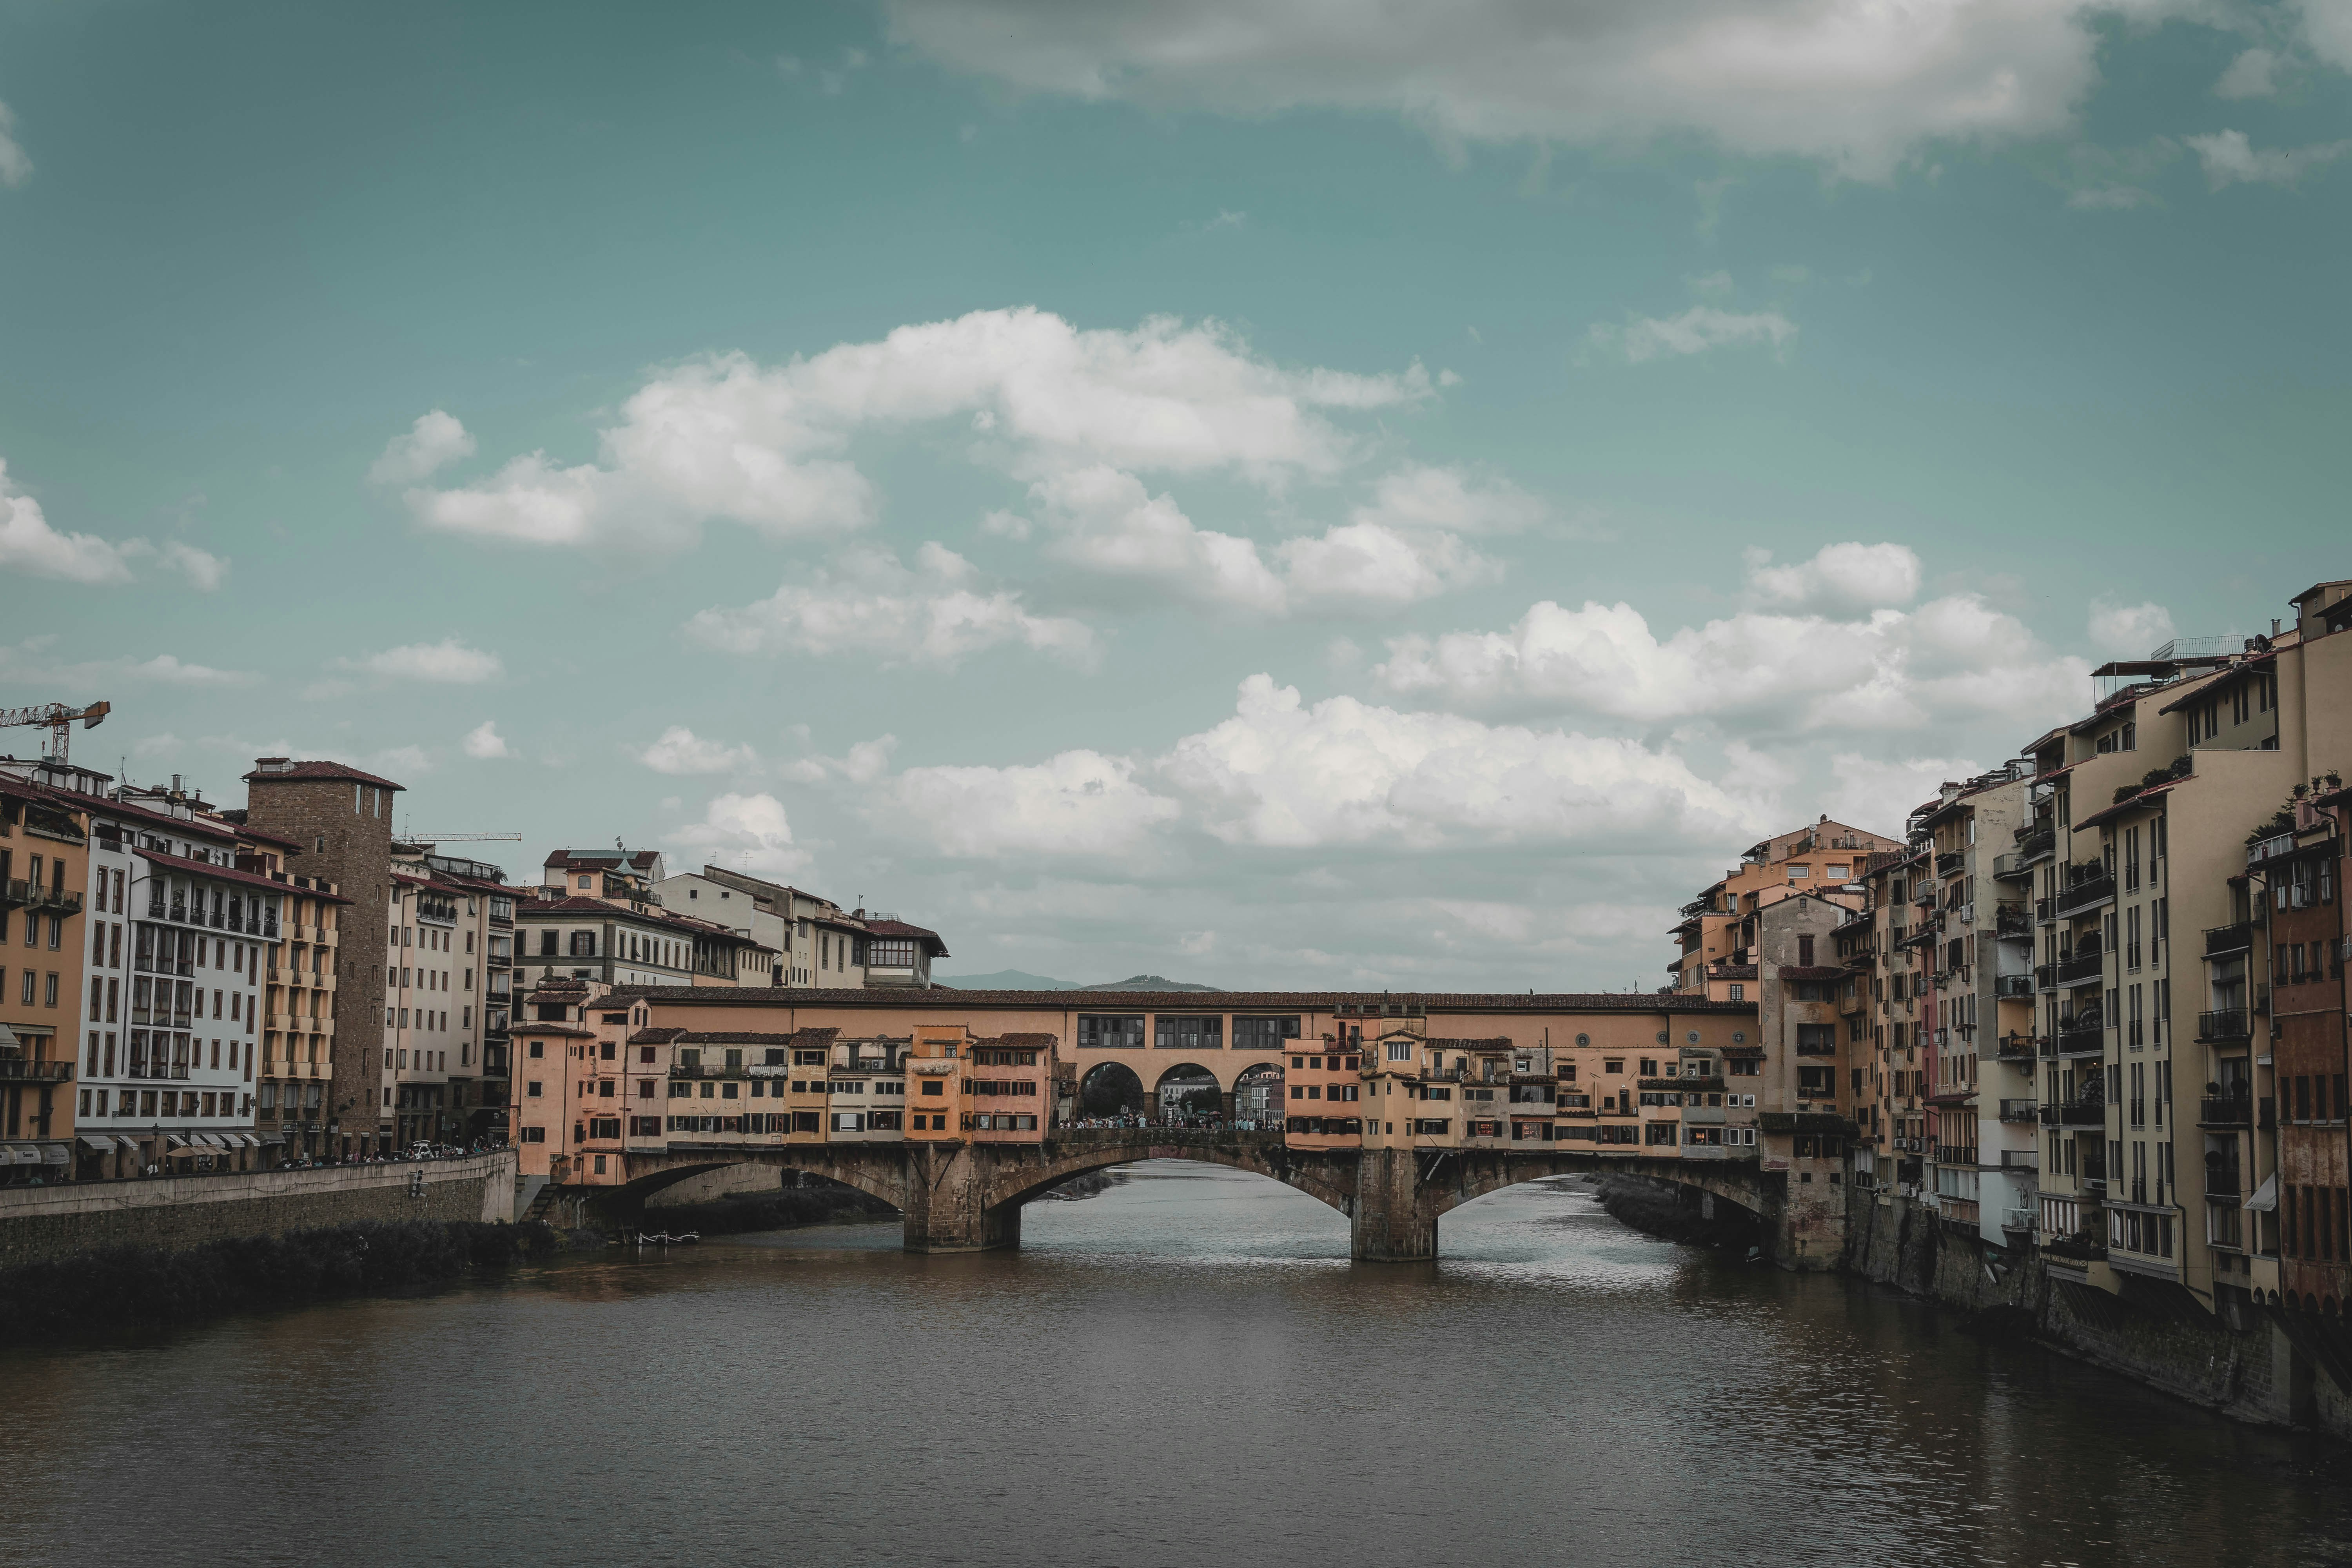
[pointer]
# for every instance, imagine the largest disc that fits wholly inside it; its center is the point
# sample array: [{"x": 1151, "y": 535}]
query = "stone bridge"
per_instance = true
[{"x": 959, "y": 1197}]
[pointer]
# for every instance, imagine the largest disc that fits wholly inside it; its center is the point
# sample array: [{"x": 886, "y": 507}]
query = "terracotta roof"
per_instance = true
[
  {"x": 181, "y": 863},
  {"x": 573, "y": 904},
  {"x": 2129, "y": 803},
  {"x": 900, "y": 928},
  {"x": 2249, "y": 666},
  {"x": 247, "y": 830},
  {"x": 283, "y": 769},
  {"x": 200, "y": 827},
  {"x": 1325, "y": 1002},
  {"x": 733, "y": 1037},
  {"x": 654, "y": 1036}
]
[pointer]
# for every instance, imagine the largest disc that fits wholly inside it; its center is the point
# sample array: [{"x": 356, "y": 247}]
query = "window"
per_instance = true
[
  {"x": 1263, "y": 1034},
  {"x": 534, "y": 1134},
  {"x": 1188, "y": 1033},
  {"x": 1400, "y": 1050},
  {"x": 532, "y": 1089},
  {"x": 1107, "y": 1032}
]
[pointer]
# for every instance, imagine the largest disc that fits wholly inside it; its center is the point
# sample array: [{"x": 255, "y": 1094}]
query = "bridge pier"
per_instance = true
[
  {"x": 947, "y": 1206},
  {"x": 1391, "y": 1220}
]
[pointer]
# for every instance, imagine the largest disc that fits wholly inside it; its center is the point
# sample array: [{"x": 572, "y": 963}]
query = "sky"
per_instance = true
[{"x": 1289, "y": 493}]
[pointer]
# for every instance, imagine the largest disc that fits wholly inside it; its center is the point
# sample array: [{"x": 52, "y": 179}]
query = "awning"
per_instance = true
[
  {"x": 58, "y": 1153},
  {"x": 175, "y": 1140},
  {"x": 127, "y": 1142},
  {"x": 101, "y": 1141},
  {"x": 247, "y": 1138},
  {"x": 2266, "y": 1196},
  {"x": 24, "y": 1154},
  {"x": 212, "y": 1141}
]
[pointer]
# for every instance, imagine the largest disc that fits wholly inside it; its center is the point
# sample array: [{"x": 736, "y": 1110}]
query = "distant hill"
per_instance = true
[
  {"x": 1150, "y": 982},
  {"x": 1007, "y": 980},
  {"x": 1021, "y": 980}
]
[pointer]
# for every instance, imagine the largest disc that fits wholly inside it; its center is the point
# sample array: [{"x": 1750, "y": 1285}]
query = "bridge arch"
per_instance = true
[
  {"x": 1107, "y": 1089},
  {"x": 1307, "y": 1173}
]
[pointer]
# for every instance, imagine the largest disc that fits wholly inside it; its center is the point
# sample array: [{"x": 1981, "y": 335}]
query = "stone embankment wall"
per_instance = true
[
  {"x": 41, "y": 1224},
  {"x": 2261, "y": 1366}
]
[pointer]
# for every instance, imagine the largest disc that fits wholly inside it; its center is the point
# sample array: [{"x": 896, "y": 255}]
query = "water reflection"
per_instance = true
[{"x": 1184, "y": 1368}]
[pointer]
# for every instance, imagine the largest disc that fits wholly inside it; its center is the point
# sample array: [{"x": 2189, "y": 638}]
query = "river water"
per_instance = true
[{"x": 1184, "y": 1370}]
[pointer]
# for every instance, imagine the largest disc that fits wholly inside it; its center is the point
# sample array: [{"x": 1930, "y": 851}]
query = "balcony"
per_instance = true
[
  {"x": 2269, "y": 849},
  {"x": 2086, "y": 1112},
  {"x": 2018, "y": 1222},
  {"x": 2086, "y": 895},
  {"x": 2010, "y": 868},
  {"x": 2036, "y": 844},
  {"x": 2230, "y": 1110},
  {"x": 2225, "y": 1025},
  {"x": 2012, "y": 920},
  {"x": 2013, "y": 987},
  {"x": 1951, "y": 862},
  {"x": 2018, "y": 1110},
  {"x": 2043, "y": 911},
  {"x": 2223, "y": 1182},
  {"x": 2075, "y": 1249},
  {"x": 21, "y": 1070},
  {"x": 1954, "y": 1154},
  {"x": 2085, "y": 966},
  {"x": 2083, "y": 1039},
  {"x": 2220, "y": 941},
  {"x": 2015, "y": 1049}
]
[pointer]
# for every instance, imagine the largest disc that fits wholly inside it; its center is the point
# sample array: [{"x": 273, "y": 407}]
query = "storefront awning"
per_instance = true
[
  {"x": 23, "y": 1154},
  {"x": 101, "y": 1141},
  {"x": 176, "y": 1141},
  {"x": 57, "y": 1153},
  {"x": 2266, "y": 1196},
  {"x": 127, "y": 1142}
]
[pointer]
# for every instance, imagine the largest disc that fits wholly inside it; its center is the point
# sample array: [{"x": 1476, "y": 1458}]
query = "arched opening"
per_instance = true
[
  {"x": 1257, "y": 1102},
  {"x": 1188, "y": 1095},
  {"x": 1109, "y": 1092}
]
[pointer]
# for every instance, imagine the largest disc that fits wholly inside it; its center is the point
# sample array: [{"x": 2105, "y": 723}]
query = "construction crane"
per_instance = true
[{"x": 57, "y": 718}]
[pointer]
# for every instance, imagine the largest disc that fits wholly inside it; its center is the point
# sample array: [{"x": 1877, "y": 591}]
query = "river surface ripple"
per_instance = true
[{"x": 1184, "y": 1370}]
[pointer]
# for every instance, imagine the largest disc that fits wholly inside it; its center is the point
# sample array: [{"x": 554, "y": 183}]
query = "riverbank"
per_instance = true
[
  {"x": 783, "y": 1208},
  {"x": 151, "y": 1286},
  {"x": 1656, "y": 1209}
]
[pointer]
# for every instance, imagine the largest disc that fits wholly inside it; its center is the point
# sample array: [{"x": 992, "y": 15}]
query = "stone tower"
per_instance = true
[{"x": 342, "y": 819}]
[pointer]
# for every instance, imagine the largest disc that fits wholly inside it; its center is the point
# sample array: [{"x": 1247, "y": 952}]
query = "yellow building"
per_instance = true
[{"x": 44, "y": 876}]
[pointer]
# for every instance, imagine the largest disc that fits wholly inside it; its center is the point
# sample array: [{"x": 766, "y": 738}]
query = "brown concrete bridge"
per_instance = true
[{"x": 966, "y": 1197}]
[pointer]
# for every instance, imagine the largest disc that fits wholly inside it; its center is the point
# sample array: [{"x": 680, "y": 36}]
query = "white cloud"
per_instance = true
[
  {"x": 168, "y": 669},
  {"x": 2327, "y": 30},
  {"x": 865, "y": 762},
  {"x": 1078, "y": 803},
  {"x": 1954, "y": 658},
  {"x": 1341, "y": 772},
  {"x": 1876, "y": 794},
  {"x": 1850, "y": 576},
  {"x": 28, "y": 544},
  {"x": 746, "y": 832},
  {"x": 1694, "y": 332},
  {"x": 2252, "y": 75},
  {"x": 2109, "y": 199},
  {"x": 15, "y": 167},
  {"x": 435, "y": 440},
  {"x": 205, "y": 571},
  {"x": 398, "y": 760},
  {"x": 1423, "y": 496},
  {"x": 724, "y": 437},
  {"x": 2129, "y": 631},
  {"x": 1395, "y": 550},
  {"x": 873, "y": 604},
  {"x": 448, "y": 661},
  {"x": 2230, "y": 158},
  {"x": 484, "y": 743},
  {"x": 1855, "y": 84},
  {"x": 1365, "y": 563},
  {"x": 680, "y": 751}
]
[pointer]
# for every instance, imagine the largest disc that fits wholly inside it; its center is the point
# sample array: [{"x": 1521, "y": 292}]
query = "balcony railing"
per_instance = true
[
  {"x": 2087, "y": 894},
  {"x": 2230, "y": 1110},
  {"x": 2082, "y": 1040},
  {"x": 2076, "y": 1114},
  {"x": 2224, "y": 939},
  {"x": 2269, "y": 849},
  {"x": 2017, "y": 1111},
  {"x": 2081, "y": 966},
  {"x": 1951, "y": 862},
  {"x": 2013, "y": 987},
  {"x": 2034, "y": 843},
  {"x": 21, "y": 1070},
  {"x": 2011, "y": 920},
  {"x": 1954, "y": 1154},
  {"x": 2222, "y": 1182},
  {"x": 2224, "y": 1026},
  {"x": 2014, "y": 1047}
]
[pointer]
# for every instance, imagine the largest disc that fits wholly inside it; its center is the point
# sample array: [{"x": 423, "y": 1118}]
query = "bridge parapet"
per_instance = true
[{"x": 957, "y": 1197}]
